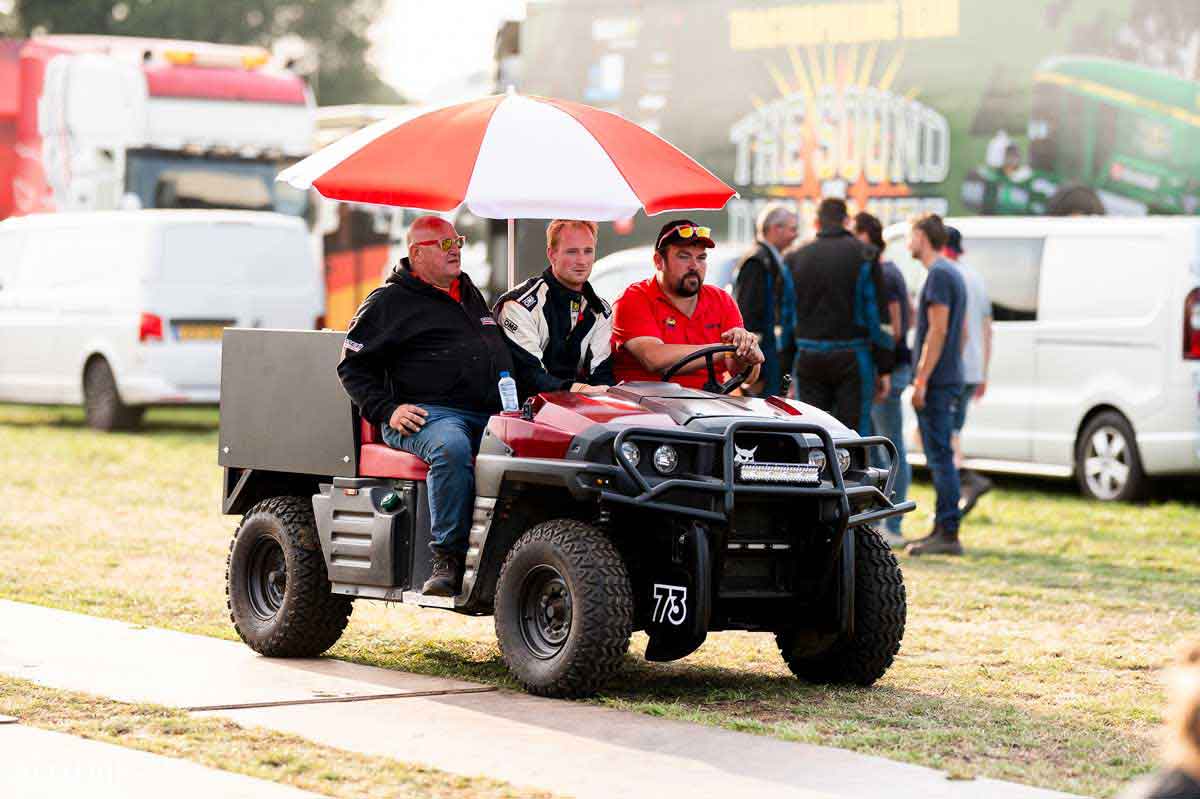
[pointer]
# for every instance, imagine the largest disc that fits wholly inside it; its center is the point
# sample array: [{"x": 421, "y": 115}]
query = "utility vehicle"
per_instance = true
[{"x": 649, "y": 507}]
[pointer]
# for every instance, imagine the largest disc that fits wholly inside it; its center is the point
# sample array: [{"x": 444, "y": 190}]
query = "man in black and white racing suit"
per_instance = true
[{"x": 557, "y": 328}]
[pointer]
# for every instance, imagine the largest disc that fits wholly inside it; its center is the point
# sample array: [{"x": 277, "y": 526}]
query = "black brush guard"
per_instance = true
[
  {"x": 879, "y": 504},
  {"x": 650, "y": 496}
]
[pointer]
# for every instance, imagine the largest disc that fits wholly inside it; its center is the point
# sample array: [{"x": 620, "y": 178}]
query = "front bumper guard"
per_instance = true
[{"x": 879, "y": 502}]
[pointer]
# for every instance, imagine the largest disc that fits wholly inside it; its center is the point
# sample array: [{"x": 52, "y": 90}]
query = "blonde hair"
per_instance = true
[
  {"x": 1183, "y": 711},
  {"x": 559, "y": 225}
]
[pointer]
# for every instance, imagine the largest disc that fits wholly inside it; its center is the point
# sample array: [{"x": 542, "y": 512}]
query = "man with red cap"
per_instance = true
[{"x": 674, "y": 313}]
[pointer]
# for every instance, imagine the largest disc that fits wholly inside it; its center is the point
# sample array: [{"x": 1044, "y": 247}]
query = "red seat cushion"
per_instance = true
[
  {"x": 377, "y": 459},
  {"x": 380, "y": 460}
]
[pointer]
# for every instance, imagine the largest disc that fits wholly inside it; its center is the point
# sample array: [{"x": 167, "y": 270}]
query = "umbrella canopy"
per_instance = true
[{"x": 513, "y": 156}]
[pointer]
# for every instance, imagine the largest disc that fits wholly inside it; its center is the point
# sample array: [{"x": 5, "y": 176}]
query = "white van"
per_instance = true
[
  {"x": 125, "y": 309},
  {"x": 1095, "y": 369}
]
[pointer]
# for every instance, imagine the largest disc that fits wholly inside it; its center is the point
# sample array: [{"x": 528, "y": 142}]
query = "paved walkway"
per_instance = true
[
  {"x": 570, "y": 748},
  {"x": 39, "y": 764}
]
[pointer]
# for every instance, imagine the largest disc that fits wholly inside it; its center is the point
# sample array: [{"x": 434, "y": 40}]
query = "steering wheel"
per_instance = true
[{"x": 712, "y": 384}]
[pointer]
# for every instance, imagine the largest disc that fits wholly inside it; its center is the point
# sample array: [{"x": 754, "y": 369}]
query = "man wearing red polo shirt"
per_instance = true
[{"x": 672, "y": 314}]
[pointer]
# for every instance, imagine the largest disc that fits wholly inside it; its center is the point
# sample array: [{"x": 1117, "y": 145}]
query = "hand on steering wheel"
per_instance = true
[{"x": 712, "y": 384}]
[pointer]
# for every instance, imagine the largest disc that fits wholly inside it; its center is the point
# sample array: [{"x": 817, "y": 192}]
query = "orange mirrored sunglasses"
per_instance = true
[
  {"x": 445, "y": 244},
  {"x": 686, "y": 232}
]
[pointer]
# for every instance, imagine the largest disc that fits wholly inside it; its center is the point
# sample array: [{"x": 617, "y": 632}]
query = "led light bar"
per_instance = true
[{"x": 798, "y": 473}]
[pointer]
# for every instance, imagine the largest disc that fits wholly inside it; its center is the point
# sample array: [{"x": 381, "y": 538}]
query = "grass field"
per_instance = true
[{"x": 1033, "y": 659}]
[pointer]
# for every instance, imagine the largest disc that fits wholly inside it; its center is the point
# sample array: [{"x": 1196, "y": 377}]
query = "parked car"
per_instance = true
[
  {"x": 123, "y": 310},
  {"x": 1095, "y": 370},
  {"x": 613, "y": 273}
]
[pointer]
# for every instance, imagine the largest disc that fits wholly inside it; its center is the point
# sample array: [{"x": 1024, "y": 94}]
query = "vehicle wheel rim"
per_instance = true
[
  {"x": 546, "y": 610},
  {"x": 1106, "y": 462},
  {"x": 266, "y": 579}
]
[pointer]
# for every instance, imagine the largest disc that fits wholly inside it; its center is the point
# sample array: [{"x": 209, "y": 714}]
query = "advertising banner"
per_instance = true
[{"x": 900, "y": 106}]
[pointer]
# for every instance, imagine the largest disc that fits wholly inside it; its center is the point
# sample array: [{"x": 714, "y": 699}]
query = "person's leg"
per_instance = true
[
  {"x": 447, "y": 442},
  {"x": 888, "y": 417},
  {"x": 960, "y": 418},
  {"x": 974, "y": 485},
  {"x": 849, "y": 374},
  {"x": 936, "y": 420},
  {"x": 811, "y": 380},
  {"x": 867, "y": 376}
]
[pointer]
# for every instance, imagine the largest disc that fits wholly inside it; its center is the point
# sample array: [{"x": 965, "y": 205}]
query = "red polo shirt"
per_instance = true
[{"x": 643, "y": 310}]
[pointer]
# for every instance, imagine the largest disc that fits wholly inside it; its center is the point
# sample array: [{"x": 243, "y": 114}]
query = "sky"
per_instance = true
[{"x": 427, "y": 49}]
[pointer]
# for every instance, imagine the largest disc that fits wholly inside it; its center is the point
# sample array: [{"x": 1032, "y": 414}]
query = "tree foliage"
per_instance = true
[{"x": 336, "y": 28}]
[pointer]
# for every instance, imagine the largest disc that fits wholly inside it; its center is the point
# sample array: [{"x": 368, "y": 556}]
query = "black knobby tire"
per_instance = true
[
  {"x": 583, "y": 633},
  {"x": 293, "y": 614},
  {"x": 880, "y": 611},
  {"x": 1111, "y": 427},
  {"x": 102, "y": 405}
]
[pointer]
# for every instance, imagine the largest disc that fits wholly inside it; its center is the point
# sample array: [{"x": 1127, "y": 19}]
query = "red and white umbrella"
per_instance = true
[{"x": 512, "y": 157}]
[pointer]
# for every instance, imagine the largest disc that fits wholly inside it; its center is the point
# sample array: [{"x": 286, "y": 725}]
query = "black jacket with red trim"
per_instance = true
[{"x": 410, "y": 342}]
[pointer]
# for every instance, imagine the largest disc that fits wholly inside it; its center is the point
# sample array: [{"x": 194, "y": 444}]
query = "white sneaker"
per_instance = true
[{"x": 893, "y": 540}]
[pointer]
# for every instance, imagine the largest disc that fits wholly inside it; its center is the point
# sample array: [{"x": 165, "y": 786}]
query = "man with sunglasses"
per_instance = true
[
  {"x": 422, "y": 360},
  {"x": 674, "y": 313}
]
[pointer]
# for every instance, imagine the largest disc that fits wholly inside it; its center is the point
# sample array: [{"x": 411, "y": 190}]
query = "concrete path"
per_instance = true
[
  {"x": 39, "y": 764},
  {"x": 569, "y": 748}
]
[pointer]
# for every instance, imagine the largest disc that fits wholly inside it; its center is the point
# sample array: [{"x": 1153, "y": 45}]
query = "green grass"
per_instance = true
[
  {"x": 221, "y": 744},
  {"x": 1034, "y": 658}
]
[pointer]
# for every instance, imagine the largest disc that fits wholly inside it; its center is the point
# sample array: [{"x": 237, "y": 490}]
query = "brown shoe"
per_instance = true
[
  {"x": 446, "y": 577},
  {"x": 974, "y": 486},
  {"x": 934, "y": 533},
  {"x": 939, "y": 542}
]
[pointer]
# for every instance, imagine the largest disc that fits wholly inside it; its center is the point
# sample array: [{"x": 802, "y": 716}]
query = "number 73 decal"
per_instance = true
[{"x": 670, "y": 604}]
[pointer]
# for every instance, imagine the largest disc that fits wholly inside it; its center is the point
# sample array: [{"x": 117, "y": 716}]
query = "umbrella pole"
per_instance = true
[{"x": 512, "y": 253}]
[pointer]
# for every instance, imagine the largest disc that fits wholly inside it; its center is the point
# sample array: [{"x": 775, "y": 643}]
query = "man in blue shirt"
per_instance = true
[{"x": 938, "y": 381}]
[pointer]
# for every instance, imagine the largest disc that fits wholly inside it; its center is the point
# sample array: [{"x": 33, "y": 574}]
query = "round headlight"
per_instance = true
[
  {"x": 816, "y": 457},
  {"x": 631, "y": 452},
  {"x": 843, "y": 456},
  {"x": 666, "y": 459}
]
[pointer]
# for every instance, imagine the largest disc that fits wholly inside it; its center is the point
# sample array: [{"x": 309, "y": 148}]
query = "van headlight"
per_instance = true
[{"x": 843, "y": 456}]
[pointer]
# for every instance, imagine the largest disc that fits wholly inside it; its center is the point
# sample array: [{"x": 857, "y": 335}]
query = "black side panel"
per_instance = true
[
  {"x": 363, "y": 543},
  {"x": 282, "y": 405},
  {"x": 419, "y": 555}
]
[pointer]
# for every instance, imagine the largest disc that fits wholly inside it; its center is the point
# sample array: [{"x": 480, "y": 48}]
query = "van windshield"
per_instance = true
[
  {"x": 171, "y": 180},
  {"x": 236, "y": 253}
]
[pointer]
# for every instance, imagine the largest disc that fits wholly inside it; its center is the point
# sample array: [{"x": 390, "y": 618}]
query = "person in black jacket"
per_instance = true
[
  {"x": 558, "y": 329},
  {"x": 843, "y": 354},
  {"x": 422, "y": 359},
  {"x": 762, "y": 287}
]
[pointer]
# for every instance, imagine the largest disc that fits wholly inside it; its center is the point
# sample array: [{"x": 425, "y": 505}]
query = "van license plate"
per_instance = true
[{"x": 197, "y": 331}]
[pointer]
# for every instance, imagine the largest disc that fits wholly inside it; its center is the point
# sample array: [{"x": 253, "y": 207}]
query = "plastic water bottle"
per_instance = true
[{"x": 508, "y": 394}]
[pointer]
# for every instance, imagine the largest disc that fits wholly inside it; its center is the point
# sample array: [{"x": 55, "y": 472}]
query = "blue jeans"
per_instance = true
[
  {"x": 964, "y": 400},
  {"x": 889, "y": 423},
  {"x": 447, "y": 442},
  {"x": 936, "y": 421}
]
